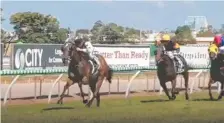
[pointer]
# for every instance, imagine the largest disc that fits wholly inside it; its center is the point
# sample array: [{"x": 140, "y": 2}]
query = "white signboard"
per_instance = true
[
  {"x": 125, "y": 57},
  {"x": 195, "y": 55}
]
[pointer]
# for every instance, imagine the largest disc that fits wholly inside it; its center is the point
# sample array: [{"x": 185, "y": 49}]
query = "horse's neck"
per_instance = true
[
  {"x": 215, "y": 63},
  {"x": 168, "y": 63}
]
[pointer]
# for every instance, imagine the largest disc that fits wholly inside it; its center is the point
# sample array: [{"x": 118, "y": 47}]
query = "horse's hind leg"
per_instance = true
[
  {"x": 67, "y": 85},
  {"x": 186, "y": 83},
  {"x": 173, "y": 91},
  {"x": 163, "y": 84},
  {"x": 97, "y": 93},
  {"x": 209, "y": 88},
  {"x": 222, "y": 91}
]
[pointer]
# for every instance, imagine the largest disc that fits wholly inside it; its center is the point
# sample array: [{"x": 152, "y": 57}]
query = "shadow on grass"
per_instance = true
[
  {"x": 204, "y": 99},
  {"x": 57, "y": 108},
  {"x": 157, "y": 100}
]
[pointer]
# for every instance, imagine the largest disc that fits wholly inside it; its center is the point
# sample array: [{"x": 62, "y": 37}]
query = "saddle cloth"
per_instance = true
[{"x": 178, "y": 61}]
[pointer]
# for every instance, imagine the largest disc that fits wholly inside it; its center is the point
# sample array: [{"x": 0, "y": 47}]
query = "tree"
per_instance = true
[
  {"x": 61, "y": 35},
  {"x": 183, "y": 35},
  {"x": 96, "y": 29},
  {"x": 35, "y": 27}
]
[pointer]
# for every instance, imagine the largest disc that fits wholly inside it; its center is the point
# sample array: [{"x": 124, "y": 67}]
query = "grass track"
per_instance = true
[{"x": 149, "y": 109}]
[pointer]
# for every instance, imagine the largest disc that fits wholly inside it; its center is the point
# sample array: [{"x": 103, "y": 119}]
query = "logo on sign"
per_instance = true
[{"x": 29, "y": 58}]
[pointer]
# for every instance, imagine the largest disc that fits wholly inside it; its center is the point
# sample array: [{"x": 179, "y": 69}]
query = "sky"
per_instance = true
[{"x": 145, "y": 15}]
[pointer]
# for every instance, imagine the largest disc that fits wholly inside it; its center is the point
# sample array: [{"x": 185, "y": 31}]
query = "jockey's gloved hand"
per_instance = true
[{"x": 78, "y": 49}]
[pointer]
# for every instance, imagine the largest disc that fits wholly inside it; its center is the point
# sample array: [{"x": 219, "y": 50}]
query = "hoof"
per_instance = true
[
  {"x": 85, "y": 101},
  {"x": 220, "y": 97}
]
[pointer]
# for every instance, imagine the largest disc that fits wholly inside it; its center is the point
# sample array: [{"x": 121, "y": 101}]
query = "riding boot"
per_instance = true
[{"x": 97, "y": 62}]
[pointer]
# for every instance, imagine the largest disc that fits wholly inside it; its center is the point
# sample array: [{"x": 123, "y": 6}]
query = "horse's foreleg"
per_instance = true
[
  {"x": 67, "y": 85},
  {"x": 81, "y": 93},
  {"x": 163, "y": 84},
  {"x": 209, "y": 88},
  {"x": 91, "y": 95},
  {"x": 186, "y": 80},
  {"x": 98, "y": 100},
  {"x": 173, "y": 89},
  {"x": 222, "y": 91}
]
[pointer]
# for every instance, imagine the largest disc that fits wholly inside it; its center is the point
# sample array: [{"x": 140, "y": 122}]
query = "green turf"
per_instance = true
[{"x": 150, "y": 109}]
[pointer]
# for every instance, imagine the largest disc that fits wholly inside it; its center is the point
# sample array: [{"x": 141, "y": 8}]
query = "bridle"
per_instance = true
[{"x": 68, "y": 45}]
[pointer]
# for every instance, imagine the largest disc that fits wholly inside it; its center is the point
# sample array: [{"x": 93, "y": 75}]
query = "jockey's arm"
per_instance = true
[{"x": 83, "y": 50}]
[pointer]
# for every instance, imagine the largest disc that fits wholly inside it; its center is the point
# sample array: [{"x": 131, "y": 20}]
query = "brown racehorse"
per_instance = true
[
  {"x": 82, "y": 70},
  {"x": 216, "y": 70}
]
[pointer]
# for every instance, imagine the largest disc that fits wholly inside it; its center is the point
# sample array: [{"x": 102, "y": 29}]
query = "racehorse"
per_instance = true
[
  {"x": 216, "y": 70},
  {"x": 72, "y": 79},
  {"x": 83, "y": 71},
  {"x": 166, "y": 72}
]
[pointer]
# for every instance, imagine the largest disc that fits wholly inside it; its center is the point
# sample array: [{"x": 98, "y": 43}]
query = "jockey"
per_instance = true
[
  {"x": 69, "y": 38},
  {"x": 217, "y": 40},
  {"x": 171, "y": 49},
  {"x": 89, "y": 50},
  {"x": 221, "y": 48}
]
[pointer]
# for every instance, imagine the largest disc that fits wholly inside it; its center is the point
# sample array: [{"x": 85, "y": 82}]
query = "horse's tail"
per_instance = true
[{"x": 109, "y": 75}]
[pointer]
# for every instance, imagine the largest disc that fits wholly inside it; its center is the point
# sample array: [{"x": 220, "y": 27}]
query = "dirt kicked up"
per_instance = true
[{"x": 141, "y": 109}]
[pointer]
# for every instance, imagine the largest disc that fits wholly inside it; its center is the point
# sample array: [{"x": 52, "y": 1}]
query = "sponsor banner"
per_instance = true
[
  {"x": 125, "y": 57},
  {"x": 1, "y": 57},
  {"x": 36, "y": 56},
  {"x": 196, "y": 56},
  {"x": 42, "y": 56}
]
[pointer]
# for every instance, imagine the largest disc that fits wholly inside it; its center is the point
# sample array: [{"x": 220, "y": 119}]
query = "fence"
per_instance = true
[{"x": 30, "y": 59}]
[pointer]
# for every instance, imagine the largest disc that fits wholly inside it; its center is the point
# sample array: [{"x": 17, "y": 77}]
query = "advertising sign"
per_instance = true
[
  {"x": 195, "y": 55},
  {"x": 40, "y": 56},
  {"x": 125, "y": 56},
  {"x": 1, "y": 57}
]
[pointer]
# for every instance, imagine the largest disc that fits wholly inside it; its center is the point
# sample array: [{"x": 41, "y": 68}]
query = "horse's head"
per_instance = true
[
  {"x": 159, "y": 54},
  {"x": 213, "y": 51},
  {"x": 66, "y": 49}
]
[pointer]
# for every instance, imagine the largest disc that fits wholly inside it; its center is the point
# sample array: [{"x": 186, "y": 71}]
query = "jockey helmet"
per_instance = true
[
  {"x": 213, "y": 48},
  {"x": 217, "y": 40},
  {"x": 166, "y": 37}
]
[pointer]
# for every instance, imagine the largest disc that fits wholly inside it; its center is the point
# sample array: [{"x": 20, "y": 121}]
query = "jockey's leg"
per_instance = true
[
  {"x": 171, "y": 55},
  {"x": 93, "y": 57},
  {"x": 97, "y": 62}
]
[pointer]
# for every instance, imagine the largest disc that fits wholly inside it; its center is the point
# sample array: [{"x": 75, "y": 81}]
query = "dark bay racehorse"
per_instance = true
[
  {"x": 82, "y": 68},
  {"x": 72, "y": 77},
  {"x": 166, "y": 72},
  {"x": 216, "y": 70}
]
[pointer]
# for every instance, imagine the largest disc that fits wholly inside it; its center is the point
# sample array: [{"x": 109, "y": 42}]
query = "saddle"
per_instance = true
[
  {"x": 178, "y": 61},
  {"x": 94, "y": 69},
  {"x": 179, "y": 64}
]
